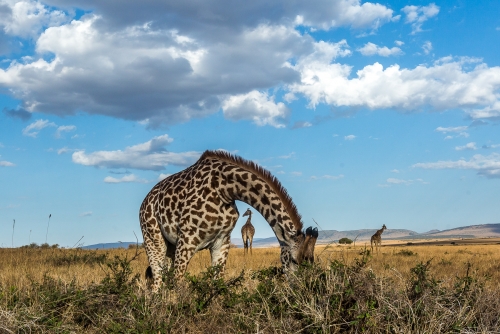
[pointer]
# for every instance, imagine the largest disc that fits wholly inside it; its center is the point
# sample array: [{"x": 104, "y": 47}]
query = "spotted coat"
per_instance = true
[{"x": 195, "y": 209}]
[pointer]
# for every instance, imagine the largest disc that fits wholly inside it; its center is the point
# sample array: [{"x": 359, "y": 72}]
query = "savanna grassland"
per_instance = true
[{"x": 403, "y": 289}]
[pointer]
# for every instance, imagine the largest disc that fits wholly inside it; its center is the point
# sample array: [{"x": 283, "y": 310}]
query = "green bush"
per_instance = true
[{"x": 345, "y": 241}]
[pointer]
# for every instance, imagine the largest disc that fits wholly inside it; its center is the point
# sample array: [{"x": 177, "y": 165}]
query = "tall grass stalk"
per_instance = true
[{"x": 47, "y": 233}]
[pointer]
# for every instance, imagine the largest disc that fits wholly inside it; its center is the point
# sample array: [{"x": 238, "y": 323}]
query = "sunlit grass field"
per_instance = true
[
  {"x": 20, "y": 266},
  {"x": 401, "y": 289}
]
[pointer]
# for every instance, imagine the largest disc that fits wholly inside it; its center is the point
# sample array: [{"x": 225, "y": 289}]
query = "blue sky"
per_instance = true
[{"x": 369, "y": 113}]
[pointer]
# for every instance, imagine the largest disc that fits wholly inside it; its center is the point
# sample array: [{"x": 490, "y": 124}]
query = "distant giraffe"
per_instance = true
[
  {"x": 248, "y": 231},
  {"x": 195, "y": 209},
  {"x": 377, "y": 238}
]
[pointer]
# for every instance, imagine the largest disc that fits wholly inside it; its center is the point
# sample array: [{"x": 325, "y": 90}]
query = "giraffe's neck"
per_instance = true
[
  {"x": 249, "y": 220},
  {"x": 272, "y": 202}
]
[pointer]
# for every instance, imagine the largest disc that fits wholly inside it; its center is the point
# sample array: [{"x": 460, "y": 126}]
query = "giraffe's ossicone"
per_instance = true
[{"x": 195, "y": 209}]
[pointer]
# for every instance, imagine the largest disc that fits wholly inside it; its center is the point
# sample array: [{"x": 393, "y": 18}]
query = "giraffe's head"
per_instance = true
[
  {"x": 247, "y": 213},
  {"x": 302, "y": 249},
  {"x": 384, "y": 227}
]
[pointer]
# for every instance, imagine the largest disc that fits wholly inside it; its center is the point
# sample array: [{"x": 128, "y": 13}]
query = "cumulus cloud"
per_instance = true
[
  {"x": 447, "y": 84},
  {"x": 150, "y": 155},
  {"x": 256, "y": 106},
  {"x": 4, "y": 163},
  {"x": 169, "y": 71},
  {"x": 349, "y": 137},
  {"x": 34, "y": 128},
  {"x": 488, "y": 166},
  {"x": 205, "y": 17},
  {"x": 370, "y": 49},
  {"x": 64, "y": 128},
  {"x": 27, "y": 18},
  {"x": 417, "y": 15},
  {"x": 125, "y": 179},
  {"x": 467, "y": 147},
  {"x": 144, "y": 67}
]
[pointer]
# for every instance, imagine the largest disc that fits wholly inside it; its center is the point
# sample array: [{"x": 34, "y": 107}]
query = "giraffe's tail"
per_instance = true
[{"x": 149, "y": 273}]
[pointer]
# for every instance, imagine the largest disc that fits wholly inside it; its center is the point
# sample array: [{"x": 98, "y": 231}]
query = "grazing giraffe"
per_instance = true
[
  {"x": 377, "y": 238},
  {"x": 195, "y": 209},
  {"x": 247, "y": 231}
]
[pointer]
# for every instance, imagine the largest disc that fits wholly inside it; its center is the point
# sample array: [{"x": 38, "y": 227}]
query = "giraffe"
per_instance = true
[
  {"x": 247, "y": 231},
  {"x": 377, "y": 238},
  {"x": 195, "y": 209}
]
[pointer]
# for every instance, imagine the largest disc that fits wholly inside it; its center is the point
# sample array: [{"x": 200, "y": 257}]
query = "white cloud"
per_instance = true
[
  {"x": 451, "y": 129},
  {"x": 150, "y": 155},
  {"x": 27, "y": 18},
  {"x": 166, "y": 71},
  {"x": 125, "y": 179},
  {"x": 394, "y": 181},
  {"x": 287, "y": 156},
  {"x": 328, "y": 177},
  {"x": 488, "y": 166},
  {"x": 399, "y": 43},
  {"x": 163, "y": 176},
  {"x": 399, "y": 181},
  {"x": 296, "y": 173},
  {"x": 447, "y": 84},
  {"x": 395, "y": 171},
  {"x": 349, "y": 137},
  {"x": 4, "y": 163},
  {"x": 64, "y": 128},
  {"x": 467, "y": 147},
  {"x": 86, "y": 214},
  {"x": 338, "y": 13},
  {"x": 371, "y": 49},
  {"x": 34, "y": 128},
  {"x": 63, "y": 150},
  {"x": 417, "y": 15},
  {"x": 256, "y": 106},
  {"x": 427, "y": 47},
  {"x": 492, "y": 111}
]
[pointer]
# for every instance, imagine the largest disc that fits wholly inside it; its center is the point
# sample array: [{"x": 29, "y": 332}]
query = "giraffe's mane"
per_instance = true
[{"x": 264, "y": 174}]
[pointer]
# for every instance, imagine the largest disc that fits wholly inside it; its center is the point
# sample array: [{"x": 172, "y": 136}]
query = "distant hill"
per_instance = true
[
  {"x": 325, "y": 237},
  {"x": 472, "y": 231},
  {"x": 109, "y": 245}
]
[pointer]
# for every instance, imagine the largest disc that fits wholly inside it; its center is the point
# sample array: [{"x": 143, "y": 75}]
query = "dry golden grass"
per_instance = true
[
  {"x": 72, "y": 291},
  {"x": 18, "y": 266}
]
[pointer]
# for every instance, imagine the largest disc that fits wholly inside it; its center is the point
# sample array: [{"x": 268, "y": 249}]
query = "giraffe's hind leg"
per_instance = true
[
  {"x": 155, "y": 249},
  {"x": 245, "y": 243},
  {"x": 251, "y": 240}
]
